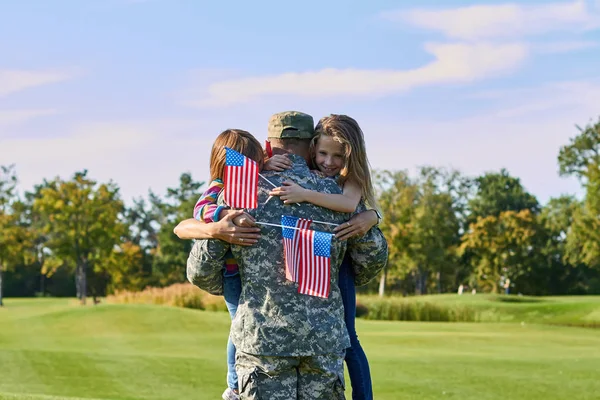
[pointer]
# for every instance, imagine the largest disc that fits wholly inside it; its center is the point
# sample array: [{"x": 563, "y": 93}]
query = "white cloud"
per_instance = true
[
  {"x": 458, "y": 62},
  {"x": 503, "y": 20},
  {"x": 14, "y": 117},
  {"x": 491, "y": 43},
  {"x": 12, "y": 81}
]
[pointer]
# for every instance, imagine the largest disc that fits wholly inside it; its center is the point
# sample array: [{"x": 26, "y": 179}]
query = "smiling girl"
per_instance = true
[{"x": 338, "y": 151}]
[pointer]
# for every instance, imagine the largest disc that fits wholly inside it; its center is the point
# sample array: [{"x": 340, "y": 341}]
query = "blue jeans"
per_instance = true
[
  {"x": 356, "y": 360},
  {"x": 232, "y": 288}
]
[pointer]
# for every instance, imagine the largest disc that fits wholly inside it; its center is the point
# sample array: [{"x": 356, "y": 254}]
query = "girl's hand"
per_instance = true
[
  {"x": 278, "y": 162},
  {"x": 357, "y": 226},
  {"x": 289, "y": 193}
]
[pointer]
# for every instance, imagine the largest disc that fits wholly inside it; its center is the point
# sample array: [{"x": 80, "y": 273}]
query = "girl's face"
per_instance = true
[{"x": 329, "y": 155}]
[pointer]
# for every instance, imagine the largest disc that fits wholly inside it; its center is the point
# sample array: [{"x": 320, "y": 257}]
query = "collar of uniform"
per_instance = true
[{"x": 296, "y": 159}]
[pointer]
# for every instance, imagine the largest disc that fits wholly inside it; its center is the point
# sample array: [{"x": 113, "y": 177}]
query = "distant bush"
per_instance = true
[
  {"x": 177, "y": 295},
  {"x": 582, "y": 311},
  {"x": 400, "y": 309}
]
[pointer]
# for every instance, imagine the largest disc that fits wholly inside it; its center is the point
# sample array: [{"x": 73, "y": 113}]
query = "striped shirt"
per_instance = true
[
  {"x": 206, "y": 210},
  {"x": 206, "y": 206}
]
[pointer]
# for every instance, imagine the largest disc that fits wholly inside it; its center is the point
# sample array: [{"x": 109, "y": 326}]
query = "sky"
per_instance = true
[{"x": 135, "y": 91}]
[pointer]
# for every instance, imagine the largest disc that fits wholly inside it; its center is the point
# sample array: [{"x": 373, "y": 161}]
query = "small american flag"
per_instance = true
[
  {"x": 291, "y": 244},
  {"x": 240, "y": 179},
  {"x": 314, "y": 277}
]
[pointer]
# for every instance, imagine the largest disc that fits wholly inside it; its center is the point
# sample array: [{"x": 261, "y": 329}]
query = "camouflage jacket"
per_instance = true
[{"x": 272, "y": 317}]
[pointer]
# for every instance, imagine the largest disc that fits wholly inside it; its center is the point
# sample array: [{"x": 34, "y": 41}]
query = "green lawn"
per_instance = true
[{"x": 53, "y": 349}]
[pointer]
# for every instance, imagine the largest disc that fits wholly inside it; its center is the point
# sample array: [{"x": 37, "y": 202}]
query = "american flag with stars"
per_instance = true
[
  {"x": 291, "y": 244},
  {"x": 314, "y": 276},
  {"x": 240, "y": 178}
]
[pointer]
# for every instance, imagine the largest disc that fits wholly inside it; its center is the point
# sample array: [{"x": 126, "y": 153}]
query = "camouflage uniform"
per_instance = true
[{"x": 289, "y": 345}]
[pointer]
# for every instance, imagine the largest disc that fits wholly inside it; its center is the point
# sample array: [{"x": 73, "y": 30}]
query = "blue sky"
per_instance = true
[{"x": 136, "y": 90}]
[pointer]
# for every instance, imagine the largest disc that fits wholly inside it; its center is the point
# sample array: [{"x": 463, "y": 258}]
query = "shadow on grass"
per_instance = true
[{"x": 517, "y": 299}]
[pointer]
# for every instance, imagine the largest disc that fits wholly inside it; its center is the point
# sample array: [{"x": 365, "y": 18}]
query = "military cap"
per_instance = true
[{"x": 291, "y": 124}]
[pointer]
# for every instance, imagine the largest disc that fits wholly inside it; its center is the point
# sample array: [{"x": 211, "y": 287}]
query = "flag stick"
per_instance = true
[
  {"x": 291, "y": 227},
  {"x": 279, "y": 225},
  {"x": 325, "y": 223},
  {"x": 272, "y": 184}
]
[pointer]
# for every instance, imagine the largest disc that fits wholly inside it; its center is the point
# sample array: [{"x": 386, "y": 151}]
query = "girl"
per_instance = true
[
  {"x": 338, "y": 151},
  {"x": 206, "y": 210}
]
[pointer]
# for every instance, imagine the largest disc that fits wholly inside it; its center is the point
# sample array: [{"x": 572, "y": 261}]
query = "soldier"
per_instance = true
[{"x": 289, "y": 345}]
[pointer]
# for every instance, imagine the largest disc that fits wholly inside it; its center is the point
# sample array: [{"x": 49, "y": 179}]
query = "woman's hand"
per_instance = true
[
  {"x": 357, "y": 226},
  {"x": 237, "y": 227},
  {"x": 278, "y": 162},
  {"x": 225, "y": 229},
  {"x": 244, "y": 219},
  {"x": 289, "y": 193}
]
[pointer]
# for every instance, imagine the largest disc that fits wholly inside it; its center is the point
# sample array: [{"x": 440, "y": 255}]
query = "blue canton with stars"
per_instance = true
[
  {"x": 233, "y": 158},
  {"x": 322, "y": 244},
  {"x": 287, "y": 220}
]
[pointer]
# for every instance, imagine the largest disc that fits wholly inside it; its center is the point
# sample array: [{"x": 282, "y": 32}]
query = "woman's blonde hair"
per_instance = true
[
  {"x": 236, "y": 139},
  {"x": 346, "y": 131}
]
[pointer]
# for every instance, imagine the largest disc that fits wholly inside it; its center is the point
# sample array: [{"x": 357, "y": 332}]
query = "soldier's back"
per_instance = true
[{"x": 272, "y": 317}]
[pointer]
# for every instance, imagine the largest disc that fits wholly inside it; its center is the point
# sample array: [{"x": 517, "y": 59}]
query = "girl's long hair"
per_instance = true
[
  {"x": 236, "y": 139},
  {"x": 357, "y": 169}
]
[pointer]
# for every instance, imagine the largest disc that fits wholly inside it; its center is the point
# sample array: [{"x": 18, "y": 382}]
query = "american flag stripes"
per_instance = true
[
  {"x": 291, "y": 244},
  {"x": 240, "y": 178},
  {"x": 315, "y": 266},
  {"x": 307, "y": 256}
]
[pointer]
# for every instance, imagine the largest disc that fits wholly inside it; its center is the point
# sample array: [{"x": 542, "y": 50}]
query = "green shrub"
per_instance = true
[{"x": 399, "y": 309}]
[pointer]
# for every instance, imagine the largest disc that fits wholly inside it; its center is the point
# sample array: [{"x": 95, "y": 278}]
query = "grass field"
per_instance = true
[
  {"x": 581, "y": 311},
  {"x": 52, "y": 349}
]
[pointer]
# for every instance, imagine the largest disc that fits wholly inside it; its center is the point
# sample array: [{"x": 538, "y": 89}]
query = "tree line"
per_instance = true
[{"x": 76, "y": 237}]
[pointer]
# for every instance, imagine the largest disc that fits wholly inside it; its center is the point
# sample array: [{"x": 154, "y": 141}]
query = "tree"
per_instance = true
[
  {"x": 81, "y": 221},
  {"x": 583, "y": 240},
  {"x": 170, "y": 256},
  {"x": 561, "y": 272},
  {"x": 141, "y": 242},
  {"x": 434, "y": 230},
  {"x": 15, "y": 238},
  {"x": 397, "y": 196},
  {"x": 501, "y": 246},
  {"x": 125, "y": 267},
  {"x": 499, "y": 192},
  {"x": 421, "y": 223},
  {"x": 8, "y": 182},
  {"x": 581, "y": 158}
]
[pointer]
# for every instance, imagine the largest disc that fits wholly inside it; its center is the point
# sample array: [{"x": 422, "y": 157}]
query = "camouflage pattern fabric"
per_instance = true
[
  {"x": 273, "y": 319},
  {"x": 285, "y": 378}
]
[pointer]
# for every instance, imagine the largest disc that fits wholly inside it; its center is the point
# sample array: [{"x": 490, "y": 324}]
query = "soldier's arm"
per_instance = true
[
  {"x": 369, "y": 254},
  {"x": 205, "y": 265},
  {"x": 225, "y": 229}
]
